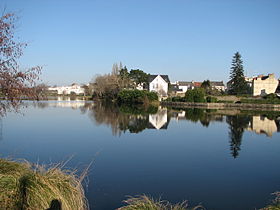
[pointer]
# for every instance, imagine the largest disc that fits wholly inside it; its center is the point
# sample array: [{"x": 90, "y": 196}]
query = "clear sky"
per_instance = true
[{"x": 186, "y": 39}]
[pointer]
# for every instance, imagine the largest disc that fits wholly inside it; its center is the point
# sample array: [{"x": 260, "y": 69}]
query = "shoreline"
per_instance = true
[{"x": 271, "y": 107}]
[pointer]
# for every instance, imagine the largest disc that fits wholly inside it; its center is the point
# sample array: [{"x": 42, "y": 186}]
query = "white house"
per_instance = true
[
  {"x": 263, "y": 85},
  {"x": 159, "y": 84},
  {"x": 66, "y": 90},
  {"x": 184, "y": 86}
]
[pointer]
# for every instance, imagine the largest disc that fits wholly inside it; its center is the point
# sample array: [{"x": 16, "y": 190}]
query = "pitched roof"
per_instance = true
[
  {"x": 153, "y": 76},
  {"x": 197, "y": 84},
  {"x": 215, "y": 83},
  {"x": 175, "y": 88},
  {"x": 183, "y": 83}
]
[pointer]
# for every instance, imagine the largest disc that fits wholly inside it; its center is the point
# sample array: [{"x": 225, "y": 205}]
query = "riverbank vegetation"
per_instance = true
[
  {"x": 136, "y": 97},
  {"x": 28, "y": 186},
  {"x": 275, "y": 204},
  {"x": 148, "y": 203},
  {"x": 199, "y": 96}
]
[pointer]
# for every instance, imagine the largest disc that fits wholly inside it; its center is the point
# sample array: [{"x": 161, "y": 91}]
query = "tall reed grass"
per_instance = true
[{"x": 28, "y": 187}]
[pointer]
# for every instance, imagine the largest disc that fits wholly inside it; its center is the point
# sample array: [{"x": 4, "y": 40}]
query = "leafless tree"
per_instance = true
[
  {"x": 15, "y": 83},
  {"x": 106, "y": 86}
]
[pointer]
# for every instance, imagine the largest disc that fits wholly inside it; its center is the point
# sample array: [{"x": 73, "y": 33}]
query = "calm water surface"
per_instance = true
[{"x": 221, "y": 159}]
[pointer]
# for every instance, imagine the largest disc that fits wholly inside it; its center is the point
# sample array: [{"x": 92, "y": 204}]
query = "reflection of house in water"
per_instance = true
[
  {"x": 66, "y": 102},
  {"x": 261, "y": 124},
  {"x": 159, "y": 120},
  {"x": 181, "y": 115}
]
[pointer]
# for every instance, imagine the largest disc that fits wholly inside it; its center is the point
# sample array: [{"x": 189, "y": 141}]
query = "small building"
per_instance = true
[
  {"x": 159, "y": 84},
  {"x": 197, "y": 84},
  {"x": 184, "y": 86},
  {"x": 217, "y": 85},
  {"x": 263, "y": 85},
  {"x": 67, "y": 90},
  {"x": 174, "y": 89}
]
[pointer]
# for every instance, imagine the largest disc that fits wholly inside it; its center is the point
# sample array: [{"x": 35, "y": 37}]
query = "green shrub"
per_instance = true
[
  {"x": 178, "y": 99},
  {"x": 152, "y": 96},
  {"x": 210, "y": 99},
  {"x": 136, "y": 96},
  {"x": 196, "y": 95},
  {"x": 271, "y": 96}
]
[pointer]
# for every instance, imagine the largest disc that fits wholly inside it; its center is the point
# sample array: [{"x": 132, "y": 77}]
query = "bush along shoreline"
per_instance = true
[
  {"x": 136, "y": 97},
  {"x": 198, "y": 98}
]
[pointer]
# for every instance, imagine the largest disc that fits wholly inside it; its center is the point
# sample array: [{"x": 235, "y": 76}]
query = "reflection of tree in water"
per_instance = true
[
  {"x": 121, "y": 119},
  {"x": 278, "y": 124},
  {"x": 237, "y": 125},
  {"x": 202, "y": 115}
]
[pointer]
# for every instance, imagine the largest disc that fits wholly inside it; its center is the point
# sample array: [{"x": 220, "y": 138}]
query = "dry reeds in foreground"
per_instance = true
[
  {"x": 144, "y": 202},
  {"x": 29, "y": 187},
  {"x": 275, "y": 203}
]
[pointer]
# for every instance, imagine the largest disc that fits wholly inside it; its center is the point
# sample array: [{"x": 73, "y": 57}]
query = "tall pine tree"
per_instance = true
[{"x": 238, "y": 85}]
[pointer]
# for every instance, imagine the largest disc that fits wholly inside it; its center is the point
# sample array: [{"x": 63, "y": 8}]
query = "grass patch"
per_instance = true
[
  {"x": 26, "y": 186},
  {"x": 260, "y": 101},
  {"x": 144, "y": 202}
]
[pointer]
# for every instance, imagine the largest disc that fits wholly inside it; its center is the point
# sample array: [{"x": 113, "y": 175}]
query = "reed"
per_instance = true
[
  {"x": 144, "y": 202},
  {"x": 27, "y": 186}
]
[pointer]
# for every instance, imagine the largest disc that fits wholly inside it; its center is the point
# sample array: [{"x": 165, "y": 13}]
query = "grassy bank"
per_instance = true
[{"x": 27, "y": 186}]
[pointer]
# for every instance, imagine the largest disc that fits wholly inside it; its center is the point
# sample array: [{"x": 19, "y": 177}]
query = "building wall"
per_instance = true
[
  {"x": 68, "y": 89},
  {"x": 184, "y": 88},
  {"x": 266, "y": 86},
  {"x": 220, "y": 88},
  {"x": 159, "y": 86}
]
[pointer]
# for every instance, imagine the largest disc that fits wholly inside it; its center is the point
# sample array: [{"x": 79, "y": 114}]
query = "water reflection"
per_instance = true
[
  {"x": 159, "y": 120},
  {"x": 237, "y": 125},
  {"x": 135, "y": 119},
  {"x": 263, "y": 125}
]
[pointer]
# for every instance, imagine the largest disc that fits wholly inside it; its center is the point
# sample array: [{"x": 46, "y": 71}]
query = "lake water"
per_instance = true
[{"x": 220, "y": 159}]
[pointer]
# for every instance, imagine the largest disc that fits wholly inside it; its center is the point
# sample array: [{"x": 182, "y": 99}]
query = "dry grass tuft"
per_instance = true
[
  {"x": 144, "y": 202},
  {"x": 275, "y": 203},
  {"x": 27, "y": 186}
]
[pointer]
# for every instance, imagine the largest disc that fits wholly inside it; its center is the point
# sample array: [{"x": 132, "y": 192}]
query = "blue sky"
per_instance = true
[{"x": 186, "y": 39}]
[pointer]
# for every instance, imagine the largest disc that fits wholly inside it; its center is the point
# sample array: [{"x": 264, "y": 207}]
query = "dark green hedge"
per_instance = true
[{"x": 136, "y": 96}]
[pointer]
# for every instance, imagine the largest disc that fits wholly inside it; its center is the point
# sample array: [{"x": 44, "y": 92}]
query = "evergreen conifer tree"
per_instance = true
[{"x": 238, "y": 85}]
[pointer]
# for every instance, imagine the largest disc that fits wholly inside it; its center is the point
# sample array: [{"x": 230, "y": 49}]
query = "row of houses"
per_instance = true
[
  {"x": 261, "y": 85},
  {"x": 162, "y": 85},
  {"x": 68, "y": 90}
]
